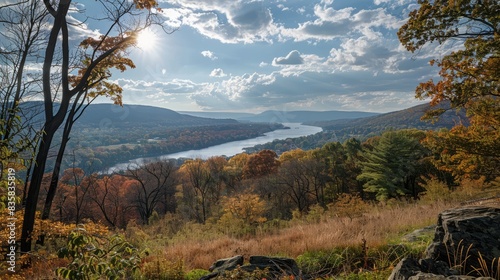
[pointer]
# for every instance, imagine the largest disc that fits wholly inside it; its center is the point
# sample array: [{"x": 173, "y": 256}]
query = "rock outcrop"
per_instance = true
[
  {"x": 466, "y": 239},
  {"x": 276, "y": 267}
]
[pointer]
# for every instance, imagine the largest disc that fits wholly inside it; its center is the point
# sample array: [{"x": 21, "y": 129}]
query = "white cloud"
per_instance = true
[
  {"x": 324, "y": 57},
  {"x": 209, "y": 54},
  {"x": 226, "y": 21},
  {"x": 219, "y": 73},
  {"x": 330, "y": 23},
  {"x": 292, "y": 58}
]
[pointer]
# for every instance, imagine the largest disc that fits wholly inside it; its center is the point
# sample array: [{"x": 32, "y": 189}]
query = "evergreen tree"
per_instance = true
[{"x": 390, "y": 169}]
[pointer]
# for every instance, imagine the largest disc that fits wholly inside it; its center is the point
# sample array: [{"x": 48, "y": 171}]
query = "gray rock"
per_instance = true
[
  {"x": 406, "y": 268},
  {"x": 277, "y": 267},
  {"x": 222, "y": 265},
  {"x": 419, "y": 233},
  {"x": 227, "y": 264},
  {"x": 463, "y": 237},
  {"x": 430, "y": 276},
  {"x": 464, "y": 233},
  {"x": 436, "y": 267},
  {"x": 427, "y": 276}
]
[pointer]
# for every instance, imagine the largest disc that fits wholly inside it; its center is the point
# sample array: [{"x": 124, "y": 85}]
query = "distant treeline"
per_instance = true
[{"x": 97, "y": 149}]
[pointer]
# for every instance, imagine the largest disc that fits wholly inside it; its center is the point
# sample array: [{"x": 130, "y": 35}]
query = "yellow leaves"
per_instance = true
[
  {"x": 293, "y": 155},
  {"x": 51, "y": 229},
  {"x": 247, "y": 207},
  {"x": 467, "y": 151},
  {"x": 110, "y": 90},
  {"x": 348, "y": 205}
]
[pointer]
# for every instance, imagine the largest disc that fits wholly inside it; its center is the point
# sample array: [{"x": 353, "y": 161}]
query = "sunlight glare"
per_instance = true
[{"x": 146, "y": 40}]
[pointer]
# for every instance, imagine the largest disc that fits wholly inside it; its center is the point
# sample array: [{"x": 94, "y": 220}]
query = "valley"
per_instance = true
[{"x": 107, "y": 134}]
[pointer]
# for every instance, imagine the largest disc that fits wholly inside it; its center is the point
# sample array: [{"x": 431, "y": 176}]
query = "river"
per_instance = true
[{"x": 230, "y": 148}]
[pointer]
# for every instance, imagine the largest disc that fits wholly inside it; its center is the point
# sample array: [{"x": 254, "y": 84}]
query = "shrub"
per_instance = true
[
  {"x": 92, "y": 257},
  {"x": 435, "y": 189},
  {"x": 348, "y": 205}
]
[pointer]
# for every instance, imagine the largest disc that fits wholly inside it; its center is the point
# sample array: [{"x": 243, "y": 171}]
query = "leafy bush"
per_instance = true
[
  {"x": 93, "y": 257},
  {"x": 435, "y": 189},
  {"x": 348, "y": 205},
  {"x": 242, "y": 214}
]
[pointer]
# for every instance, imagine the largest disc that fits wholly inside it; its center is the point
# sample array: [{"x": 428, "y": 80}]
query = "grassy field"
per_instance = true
[{"x": 351, "y": 240}]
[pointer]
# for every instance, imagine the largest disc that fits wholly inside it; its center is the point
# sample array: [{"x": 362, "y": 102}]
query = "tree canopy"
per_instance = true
[{"x": 470, "y": 79}]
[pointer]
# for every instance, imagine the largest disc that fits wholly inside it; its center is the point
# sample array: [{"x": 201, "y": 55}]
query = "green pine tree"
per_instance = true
[{"x": 390, "y": 169}]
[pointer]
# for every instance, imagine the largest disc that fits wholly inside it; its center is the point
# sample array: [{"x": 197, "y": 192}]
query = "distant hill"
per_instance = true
[
  {"x": 146, "y": 115},
  {"x": 128, "y": 115},
  {"x": 407, "y": 118},
  {"x": 286, "y": 116},
  {"x": 363, "y": 128},
  {"x": 305, "y": 116},
  {"x": 218, "y": 115}
]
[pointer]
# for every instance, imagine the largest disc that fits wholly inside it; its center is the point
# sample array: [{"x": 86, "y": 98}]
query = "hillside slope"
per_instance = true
[
  {"x": 284, "y": 116},
  {"x": 407, "y": 118},
  {"x": 146, "y": 115},
  {"x": 305, "y": 116},
  {"x": 363, "y": 128}
]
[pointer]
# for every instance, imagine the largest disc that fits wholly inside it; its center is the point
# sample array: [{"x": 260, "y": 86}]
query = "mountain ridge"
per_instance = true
[
  {"x": 406, "y": 118},
  {"x": 298, "y": 116}
]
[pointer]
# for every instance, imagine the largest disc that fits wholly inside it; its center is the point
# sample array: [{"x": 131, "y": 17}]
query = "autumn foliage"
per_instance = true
[{"x": 470, "y": 80}]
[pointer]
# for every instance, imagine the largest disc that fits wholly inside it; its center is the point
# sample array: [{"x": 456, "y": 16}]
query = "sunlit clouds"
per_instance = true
[{"x": 248, "y": 55}]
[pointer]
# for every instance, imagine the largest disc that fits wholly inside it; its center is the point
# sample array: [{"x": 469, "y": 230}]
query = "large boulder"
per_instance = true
[
  {"x": 464, "y": 239},
  {"x": 466, "y": 236},
  {"x": 222, "y": 265},
  {"x": 276, "y": 267}
]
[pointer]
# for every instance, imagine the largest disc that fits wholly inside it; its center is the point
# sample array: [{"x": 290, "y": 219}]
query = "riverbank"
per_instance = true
[{"x": 290, "y": 130}]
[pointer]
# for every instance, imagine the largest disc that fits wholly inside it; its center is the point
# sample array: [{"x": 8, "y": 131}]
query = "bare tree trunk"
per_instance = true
[
  {"x": 34, "y": 190},
  {"x": 52, "y": 122}
]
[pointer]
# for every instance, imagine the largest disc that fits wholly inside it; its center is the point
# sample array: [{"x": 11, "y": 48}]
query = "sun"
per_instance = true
[{"x": 146, "y": 40}]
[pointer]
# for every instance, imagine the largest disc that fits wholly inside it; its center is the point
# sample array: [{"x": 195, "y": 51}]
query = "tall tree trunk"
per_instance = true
[
  {"x": 52, "y": 122},
  {"x": 34, "y": 189},
  {"x": 57, "y": 166}
]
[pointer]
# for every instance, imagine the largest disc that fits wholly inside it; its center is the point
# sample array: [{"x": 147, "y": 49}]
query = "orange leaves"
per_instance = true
[
  {"x": 263, "y": 163},
  {"x": 106, "y": 43},
  {"x": 146, "y": 4},
  {"x": 470, "y": 79},
  {"x": 111, "y": 51}
]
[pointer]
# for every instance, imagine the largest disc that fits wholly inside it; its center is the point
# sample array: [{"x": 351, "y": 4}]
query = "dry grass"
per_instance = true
[{"x": 377, "y": 226}]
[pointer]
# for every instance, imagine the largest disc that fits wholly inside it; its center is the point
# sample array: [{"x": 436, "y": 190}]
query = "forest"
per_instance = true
[
  {"x": 342, "y": 207},
  {"x": 96, "y": 149}
]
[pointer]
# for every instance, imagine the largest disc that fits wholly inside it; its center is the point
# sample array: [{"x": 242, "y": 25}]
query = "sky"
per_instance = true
[{"x": 252, "y": 56}]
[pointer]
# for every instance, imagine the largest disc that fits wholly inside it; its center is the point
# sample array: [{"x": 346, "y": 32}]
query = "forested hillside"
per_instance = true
[
  {"x": 101, "y": 148},
  {"x": 407, "y": 118},
  {"x": 285, "y": 116},
  {"x": 110, "y": 115},
  {"x": 363, "y": 128}
]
